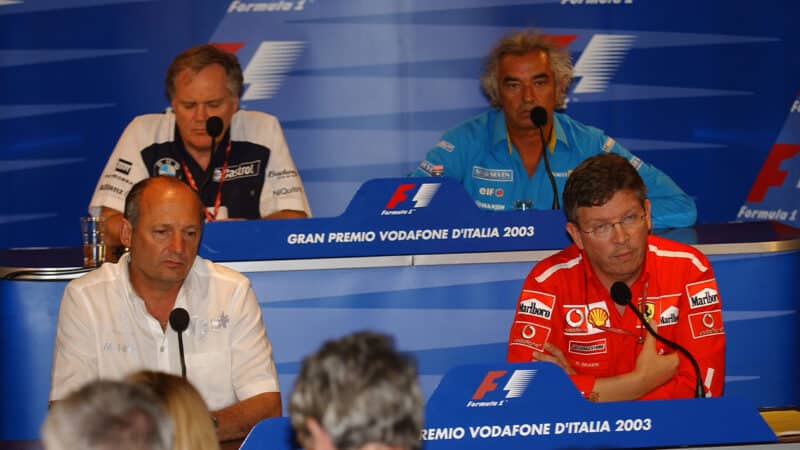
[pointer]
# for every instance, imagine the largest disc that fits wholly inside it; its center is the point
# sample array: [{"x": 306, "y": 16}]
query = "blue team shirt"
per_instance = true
[{"x": 476, "y": 154}]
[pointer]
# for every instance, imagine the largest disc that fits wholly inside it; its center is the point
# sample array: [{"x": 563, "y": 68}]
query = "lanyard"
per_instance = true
[{"x": 190, "y": 179}]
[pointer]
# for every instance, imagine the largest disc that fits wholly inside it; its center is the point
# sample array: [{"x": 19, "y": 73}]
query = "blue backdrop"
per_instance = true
[{"x": 363, "y": 88}]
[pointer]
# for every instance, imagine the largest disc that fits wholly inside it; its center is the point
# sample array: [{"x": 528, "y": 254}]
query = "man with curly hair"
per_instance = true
[{"x": 498, "y": 155}]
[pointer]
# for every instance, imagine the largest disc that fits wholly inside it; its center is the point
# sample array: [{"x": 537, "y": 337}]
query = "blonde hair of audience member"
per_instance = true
[
  {"x": 193, "y": 428},
  {"x": 356, "y": 393},
  {"x": 107, "y": 415}
]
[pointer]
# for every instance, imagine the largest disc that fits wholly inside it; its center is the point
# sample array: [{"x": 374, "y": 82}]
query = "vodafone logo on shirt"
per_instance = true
[
  {"x": 529, "y": 334},
  {"x": 705, "y": 324},
  {"x": 584, "y": 319}
]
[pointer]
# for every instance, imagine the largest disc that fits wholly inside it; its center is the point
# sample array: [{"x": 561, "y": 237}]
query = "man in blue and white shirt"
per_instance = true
[{"x": 498, "y": 156}]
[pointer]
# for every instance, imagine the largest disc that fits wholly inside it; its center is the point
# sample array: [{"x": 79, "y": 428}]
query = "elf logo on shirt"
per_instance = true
[{"x": 702, "y": 293}]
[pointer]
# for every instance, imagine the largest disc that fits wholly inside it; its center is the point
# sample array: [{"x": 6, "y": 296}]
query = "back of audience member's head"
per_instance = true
[
  {"x": 193, "y": 428},
  {"x": 108, "y": 415},
  {"x": 356, "y": 391}
]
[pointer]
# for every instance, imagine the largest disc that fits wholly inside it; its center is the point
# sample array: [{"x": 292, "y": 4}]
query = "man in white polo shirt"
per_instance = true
[{"x": 116, "y": 319}]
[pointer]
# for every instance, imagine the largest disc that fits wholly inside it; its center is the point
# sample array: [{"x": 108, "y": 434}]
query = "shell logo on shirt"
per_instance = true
[{"x": 585, "y": 319}]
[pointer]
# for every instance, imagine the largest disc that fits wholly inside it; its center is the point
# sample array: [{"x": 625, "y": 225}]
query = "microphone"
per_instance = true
[
  {"x": 621, "y": 294},
  {"x": 179, "y": 321},
  {"x": 214, "y": 129},
  {"x": 539, "y": 119}
]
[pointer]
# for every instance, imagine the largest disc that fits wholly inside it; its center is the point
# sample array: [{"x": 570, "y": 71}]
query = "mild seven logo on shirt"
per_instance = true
[{"x": 483, "y": 173}]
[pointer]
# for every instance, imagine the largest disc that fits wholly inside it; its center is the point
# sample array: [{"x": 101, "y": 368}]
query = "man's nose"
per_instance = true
[
  {"x": 177, "y": 243},
  {"x": 528, "y": 93},
  {"x": 619, "y": 233},
  {"x": 201, "y": 113}
]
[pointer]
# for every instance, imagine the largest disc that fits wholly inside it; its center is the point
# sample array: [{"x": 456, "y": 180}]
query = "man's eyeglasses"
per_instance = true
[{"x": 604, "y": 229}]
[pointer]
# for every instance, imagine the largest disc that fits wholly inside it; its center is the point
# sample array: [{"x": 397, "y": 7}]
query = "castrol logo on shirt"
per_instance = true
[{"x": 536, "y": 304}]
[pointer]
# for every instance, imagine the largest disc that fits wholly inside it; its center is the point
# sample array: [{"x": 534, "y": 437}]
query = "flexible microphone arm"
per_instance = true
[
  {"x": 179, "y": 321},
  {"x": 539, "y": 119},
  {"x": 621, "y": 294}
]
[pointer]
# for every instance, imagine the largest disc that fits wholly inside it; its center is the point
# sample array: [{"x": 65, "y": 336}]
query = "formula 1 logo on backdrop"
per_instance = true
[
  {"x": 599, "y": 61},
  {"x": 422, "y": 197},
  {"x": 487, "y": 392},
  {"x": 268, "y": 67}
]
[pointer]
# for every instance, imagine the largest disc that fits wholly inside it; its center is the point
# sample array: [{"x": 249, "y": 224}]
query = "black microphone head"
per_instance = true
[
  {"x": 539, "y": 116},
  {"x": 179, "y": 319},
  {"x": 214, "y": 126},
  {"x": 620, "y": 293}
]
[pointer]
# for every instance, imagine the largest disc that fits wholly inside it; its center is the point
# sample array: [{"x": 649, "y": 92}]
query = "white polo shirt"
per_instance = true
[{"x": 104, "y": 331}]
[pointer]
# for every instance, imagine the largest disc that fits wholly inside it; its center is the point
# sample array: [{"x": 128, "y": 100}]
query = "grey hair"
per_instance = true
[
  {"x": 197, "y": 58},
  {"x": 360, "y": 390},
  {"x": 108, "y": 415},
  {"x": 521, "y": 43}
]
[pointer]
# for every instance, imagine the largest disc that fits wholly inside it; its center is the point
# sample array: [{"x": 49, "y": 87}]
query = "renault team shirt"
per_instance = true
[
  {"x": 563, "y": 302},
  {"x": 260, "y": 179},
  {"x": 104, "y": 331},
  {"x": 476, "y": 153}
]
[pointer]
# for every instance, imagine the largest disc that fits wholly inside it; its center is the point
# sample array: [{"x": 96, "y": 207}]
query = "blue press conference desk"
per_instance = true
[{"x": 415, "y": 259}]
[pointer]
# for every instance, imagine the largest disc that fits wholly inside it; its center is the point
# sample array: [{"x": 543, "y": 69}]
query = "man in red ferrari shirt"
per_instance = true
[{"x": 565, "y": 313}]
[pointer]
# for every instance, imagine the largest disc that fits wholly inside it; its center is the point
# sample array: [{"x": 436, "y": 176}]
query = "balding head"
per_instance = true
[
  {"x": 159, "y": 185},
  {"x": 162, "y": 228}
]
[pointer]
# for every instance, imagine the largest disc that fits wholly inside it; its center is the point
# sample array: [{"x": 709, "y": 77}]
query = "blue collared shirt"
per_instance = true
[{"x": 476, "y": 153}]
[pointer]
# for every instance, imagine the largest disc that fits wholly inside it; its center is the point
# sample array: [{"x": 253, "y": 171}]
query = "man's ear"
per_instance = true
[
  {"x": 647, "y": 216},
  {"x": 575, "y": 233},
  {"x": 125, "y": 232},
  {"x": 318, "y": 438}
]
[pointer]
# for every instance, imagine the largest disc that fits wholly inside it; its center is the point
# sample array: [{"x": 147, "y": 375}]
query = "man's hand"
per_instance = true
[
  {"x": 555, "y": 356},
  {"x": 654, "y": 369},
  {"x": 651, "y": 371},
  {"x": 237, "y": 420}
]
